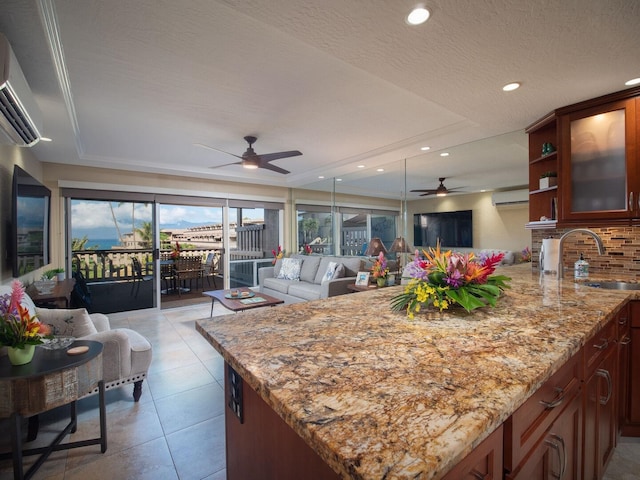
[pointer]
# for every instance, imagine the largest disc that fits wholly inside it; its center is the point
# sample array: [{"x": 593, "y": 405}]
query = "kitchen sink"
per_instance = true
[{"x": 615, "y": 285}]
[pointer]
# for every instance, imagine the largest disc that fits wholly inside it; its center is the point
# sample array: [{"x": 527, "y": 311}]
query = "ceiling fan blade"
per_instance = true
[
  {"x": 426, "y": 191},
  {"x": 268, "y": 157},
  {"x": 217, "y": 150},
  {"x": 273, "y": 168},
  {"x": 226, "y": 164}
]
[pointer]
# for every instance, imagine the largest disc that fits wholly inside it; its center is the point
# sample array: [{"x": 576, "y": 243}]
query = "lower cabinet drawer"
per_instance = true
[{"x": 529, "y": 423}]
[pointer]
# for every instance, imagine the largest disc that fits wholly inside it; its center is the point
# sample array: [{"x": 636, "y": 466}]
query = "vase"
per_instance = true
[
  {"x": 21, "y": 356},
  {"x": 381, "y": 282}
]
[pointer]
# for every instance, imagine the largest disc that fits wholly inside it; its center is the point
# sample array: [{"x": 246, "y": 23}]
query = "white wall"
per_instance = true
[{"x": 500, "y": 228}]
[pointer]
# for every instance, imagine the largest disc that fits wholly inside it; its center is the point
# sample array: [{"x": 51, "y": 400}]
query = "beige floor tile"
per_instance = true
[
  {"x": 178, "y": 380},
  {"x": 199, "y": 451},
  {"x": 191, "y": 407},
  {"x": 147, "y": 461}
]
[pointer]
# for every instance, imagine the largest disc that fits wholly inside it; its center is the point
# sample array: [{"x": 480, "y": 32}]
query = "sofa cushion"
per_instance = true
[
  {"x": 330, "y": 272},
  {"x": 308, "y": 291},
  {"x": 290, "y": 269},
  {"x": 352, "y": 265},
  {"x": 70, "y": 323},
  {"x": 278, "y": 284},
  {"x": 309, "y": 268},
  {"x": 322, "y": 268}
]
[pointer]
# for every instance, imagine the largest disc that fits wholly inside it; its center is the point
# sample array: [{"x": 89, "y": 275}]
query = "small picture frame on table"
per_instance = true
[{"x": 362, "y": 279}]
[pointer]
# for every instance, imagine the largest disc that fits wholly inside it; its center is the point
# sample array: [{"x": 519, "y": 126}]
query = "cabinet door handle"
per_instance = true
[
  {"x": 626, "y": 340},
  {"x": 603, "y": 345},
  {"x": 556, "y": 401},
  {"x": 622, "y": 321},
  {"x": 478, "y": 475},
  {"x": 605, "y": 374},
  {"x": 561, "y": 451}
]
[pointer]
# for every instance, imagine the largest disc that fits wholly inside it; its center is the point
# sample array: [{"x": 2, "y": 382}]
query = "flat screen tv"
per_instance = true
[
  {"x": 30, "y": 214},
  {"x": 453, "y": 229}
]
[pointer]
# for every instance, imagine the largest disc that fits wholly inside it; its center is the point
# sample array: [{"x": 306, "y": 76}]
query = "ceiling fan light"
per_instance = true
[
  {"x": 250, "y": 163},
  {"x": 441, "y": 194}
]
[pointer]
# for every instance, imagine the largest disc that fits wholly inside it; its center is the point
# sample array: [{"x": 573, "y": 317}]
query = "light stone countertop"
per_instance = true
[{"x": 377, "y": 395}]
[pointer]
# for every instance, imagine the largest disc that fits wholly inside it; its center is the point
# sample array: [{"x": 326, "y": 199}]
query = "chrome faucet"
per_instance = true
[{"x": 595, "y": 236}]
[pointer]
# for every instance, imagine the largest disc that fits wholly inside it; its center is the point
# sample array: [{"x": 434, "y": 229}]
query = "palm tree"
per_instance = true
[
  {"x": 81, "y": 244},
  {"x": 146, "y": 234}
]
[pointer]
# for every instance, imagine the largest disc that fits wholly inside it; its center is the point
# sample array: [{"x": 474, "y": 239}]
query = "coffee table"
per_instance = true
[{"x": 239, "y": 304}]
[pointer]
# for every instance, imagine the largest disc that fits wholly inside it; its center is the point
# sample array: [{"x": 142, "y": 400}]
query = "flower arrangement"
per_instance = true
[
  {"x": 526, "y": 254},
  {"x": 446, "y": 278},
  {"x": 277, "y": 254},
  {"x": 306, "y": 250},
  {"x": 175, "y": 252},
  {"x": 17, "y": 327},
  {"x": 379, "y": 268}
]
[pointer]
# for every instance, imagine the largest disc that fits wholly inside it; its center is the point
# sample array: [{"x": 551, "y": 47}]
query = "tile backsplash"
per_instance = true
[{"x": 622, "y": 245}]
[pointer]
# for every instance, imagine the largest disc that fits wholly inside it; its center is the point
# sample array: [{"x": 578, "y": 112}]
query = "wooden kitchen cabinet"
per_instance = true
[
  {"x": 543, "y": 202},
  {"x": 543, "y": 437},
  {"x": 557, "y": 454},
  {"x": 624, "y": 356},
  {"x": 599, "y": 401},
  {"x": 631, "y": 425},
  {"x": 597, "y": 160}
]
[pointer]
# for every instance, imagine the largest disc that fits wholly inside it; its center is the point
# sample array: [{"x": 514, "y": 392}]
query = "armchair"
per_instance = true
[{"x": 126, "y": 356}]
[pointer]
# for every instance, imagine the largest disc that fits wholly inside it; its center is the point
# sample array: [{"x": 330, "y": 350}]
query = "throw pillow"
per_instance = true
[
  {"x": 290, "y": 269},
  {"x": 340, "y": 271},
  {"x": 330, "y": 272},
  {"x": 67, "y": 323}
]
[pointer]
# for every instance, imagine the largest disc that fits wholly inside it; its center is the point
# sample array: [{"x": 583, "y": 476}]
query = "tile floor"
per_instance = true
[{"x": 176, "y": 431}]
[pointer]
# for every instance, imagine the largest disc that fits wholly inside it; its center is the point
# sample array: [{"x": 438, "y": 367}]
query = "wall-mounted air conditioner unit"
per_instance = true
[
  {"x": 510, "y": 198},
  {"x": 20, "y": 117}
]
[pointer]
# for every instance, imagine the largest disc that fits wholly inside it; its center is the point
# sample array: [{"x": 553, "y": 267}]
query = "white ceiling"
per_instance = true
[{"x": 346, "y": 82}]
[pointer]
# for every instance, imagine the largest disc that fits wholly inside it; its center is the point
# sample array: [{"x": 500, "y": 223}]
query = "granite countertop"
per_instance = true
[{"x": 377, "y": 395}]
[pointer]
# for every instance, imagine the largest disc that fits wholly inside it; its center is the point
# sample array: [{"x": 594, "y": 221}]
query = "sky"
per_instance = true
[{"x": 95, "y": 220}]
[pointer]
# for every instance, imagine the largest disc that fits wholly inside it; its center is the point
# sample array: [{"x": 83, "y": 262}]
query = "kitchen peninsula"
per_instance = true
[{"x": 376, "y": 395}]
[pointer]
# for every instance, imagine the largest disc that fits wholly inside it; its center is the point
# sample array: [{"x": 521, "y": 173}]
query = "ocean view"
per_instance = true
[{"x": 102, "y": 243}]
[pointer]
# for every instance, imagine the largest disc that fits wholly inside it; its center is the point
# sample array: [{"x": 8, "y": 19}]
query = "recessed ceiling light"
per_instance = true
[
  {"x": 509, "y": 87},
  {"x": 360, "y": 166},
  {"x": 418, "y": 15},
  {"x": 338, "y": 179},
  {"x": 424, "y": 149},
  {"x": 633, "y": 81},
  {"x": 444, "y": 154},
  {"x": 45, "y": 139},
  {"x": 380, "y": 170},
  {"x": 321, "y": 177}
]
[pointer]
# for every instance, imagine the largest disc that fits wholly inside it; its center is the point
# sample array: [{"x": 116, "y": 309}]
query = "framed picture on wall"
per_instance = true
[{"x": 362, "y": 279}]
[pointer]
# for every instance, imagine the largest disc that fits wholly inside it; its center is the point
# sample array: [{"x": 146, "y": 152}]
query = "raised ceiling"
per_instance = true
[{"x": 134, "y": 85}]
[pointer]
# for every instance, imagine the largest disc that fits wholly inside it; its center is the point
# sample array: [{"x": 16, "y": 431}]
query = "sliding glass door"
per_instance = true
[{"x": 110, "y": 249}]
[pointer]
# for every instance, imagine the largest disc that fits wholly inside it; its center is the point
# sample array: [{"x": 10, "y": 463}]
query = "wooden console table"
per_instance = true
[
  {"x": 61, "y": 292},
  {"x": 52, "y": 379}
]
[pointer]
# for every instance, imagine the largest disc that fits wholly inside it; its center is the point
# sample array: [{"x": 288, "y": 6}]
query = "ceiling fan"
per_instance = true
[
  {"x": 441, "y": 191},
  {"x": 250, "y": 159}
]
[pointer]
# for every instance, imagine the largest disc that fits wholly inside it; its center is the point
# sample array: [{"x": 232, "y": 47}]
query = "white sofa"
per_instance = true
[
  {"x": 309, "y": 285},
  {"x": 126, "y": 356}
]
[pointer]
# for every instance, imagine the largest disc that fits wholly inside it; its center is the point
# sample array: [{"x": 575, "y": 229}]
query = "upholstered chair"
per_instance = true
[{"x": 126, "y": 356}]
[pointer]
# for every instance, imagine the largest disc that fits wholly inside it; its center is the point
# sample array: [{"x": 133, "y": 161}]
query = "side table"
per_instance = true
[{"x": 52, "y": 379}]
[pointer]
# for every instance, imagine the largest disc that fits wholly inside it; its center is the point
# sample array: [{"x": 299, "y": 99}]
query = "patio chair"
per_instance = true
[
  {"x": 188, "y": 269},
  {"x": 138, "y": 277},
  {"x": 210, "y": 268}
]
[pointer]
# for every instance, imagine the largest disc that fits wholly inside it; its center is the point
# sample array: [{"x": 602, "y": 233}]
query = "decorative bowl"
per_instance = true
[{"x": 57, "y": 343}]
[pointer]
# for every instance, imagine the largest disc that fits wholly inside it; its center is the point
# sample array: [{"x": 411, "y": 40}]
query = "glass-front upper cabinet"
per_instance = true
[{"x": 600, "y": 178}]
